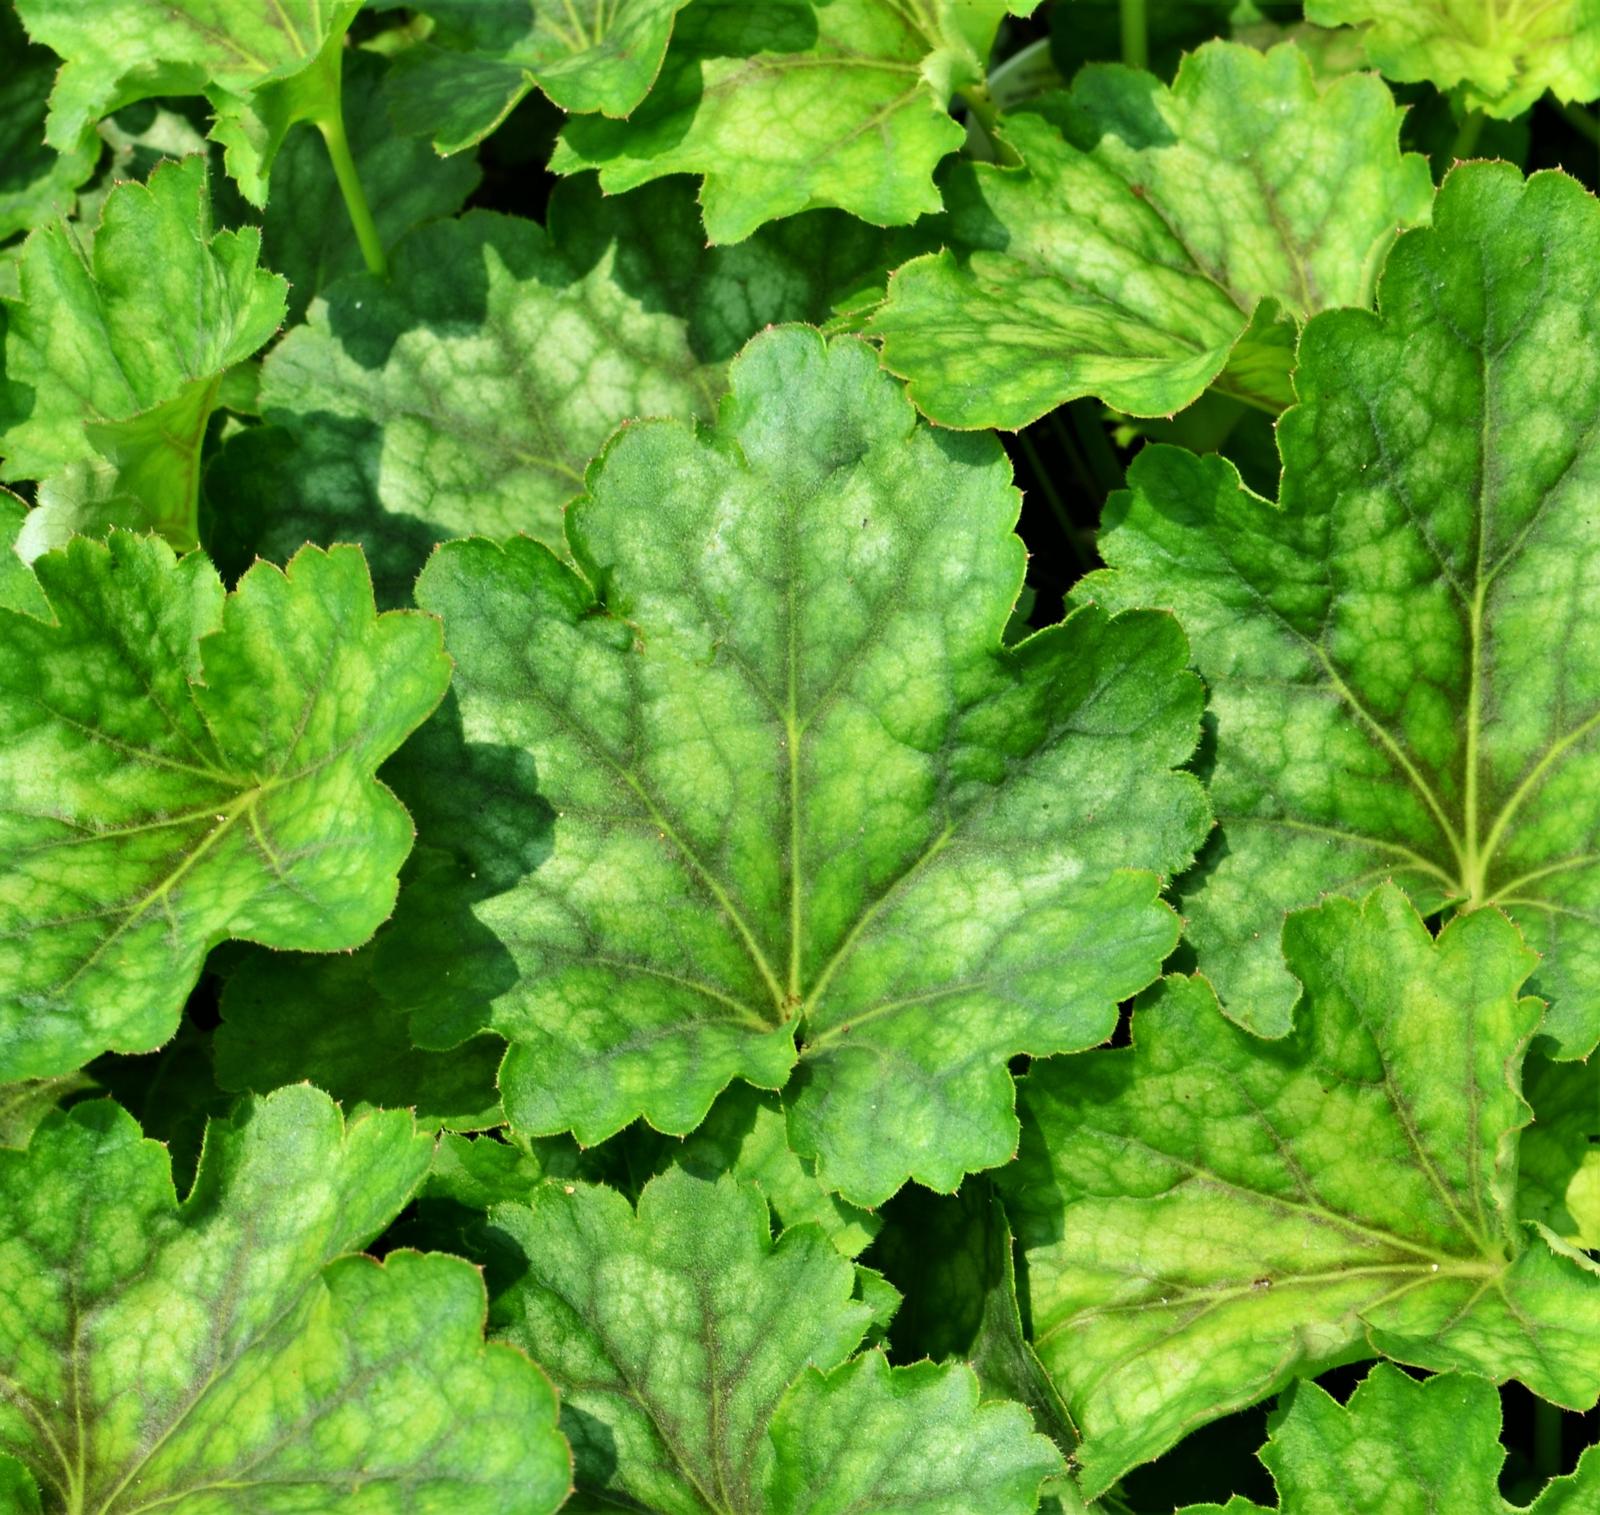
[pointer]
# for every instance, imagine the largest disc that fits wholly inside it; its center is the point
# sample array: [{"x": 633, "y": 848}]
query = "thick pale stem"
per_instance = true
[
  {"x": 1467, "y": 137},
  {"x": 1135, "y": 34},
  {"x": 980, "y": 105}
]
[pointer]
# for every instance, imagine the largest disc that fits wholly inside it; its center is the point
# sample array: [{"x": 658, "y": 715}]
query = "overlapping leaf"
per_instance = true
[
  {"x": 797, "y": 786},
  {"x": 180, "y": 767},
  {"x": 1155, "y": 241},
  {"x": 704, "y": 1366},
  {"x": 1501, "y": 54},
  {"x": 1558, "y": 1171},
  {"x": 1400, "y": 654},
  {"x": 36, "y": 181},
  {"x": 483, "y": 56},
  {"x": 1200, "y": 1212},
  {"x": 262, "y": 65},
  {"x": 1400, "y": 1447},
  {"x": 114, "y": 359},
  {"x": 794, "y": 104},
  {"x": 465, "y": 393},
  {"x": 222, "y": 1353}
]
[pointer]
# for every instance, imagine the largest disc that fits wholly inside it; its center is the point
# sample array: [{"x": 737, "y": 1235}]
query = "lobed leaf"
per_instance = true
[
  {"x": 112, "y": 374},
  {"x": 704, "y": 1366},
  {"x": 1500, "y": 55},
  {"x": 182, "y": 766},
  {"x": 262, "y": 66},
  {"x": 792, "y": 104},
  {"x": 482, "y": 58},
  {"x": 1399, "y": 652},
  {"x": 1156, "y": 241},
  {"x": 223, "y": 1353},
  {"x": 1199, "y": 1212},
  {"x": 466, "y": 393},
  {"x": 798, "y": 785},
  {"x": 1400, "y": 1447}
]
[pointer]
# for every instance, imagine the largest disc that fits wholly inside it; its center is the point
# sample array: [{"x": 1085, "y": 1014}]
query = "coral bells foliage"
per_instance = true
[{"x": 616, "y": 894}]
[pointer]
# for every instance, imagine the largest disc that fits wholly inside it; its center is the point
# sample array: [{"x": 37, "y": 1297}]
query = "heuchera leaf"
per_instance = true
[
  {"x": 1400, "y": 1447},
  {"x": 261, "y": 64},
  {"x": 1500, "y": 53},
  {"x": 1558, "y": 1171},
  {"x": 1128, "y": 257},
  {"x": 465, "y": 394},
  {"x": 798, "y": 785},
  {"x": 36, "y": 181},
  {"x": 1201, "y": 1216},
  {"x": 113, "y": 358},
  {"x": 791, "y": 104},
  {"x": 1399, "y": 653},
  {"x": 483, "y": 56},
  {"x": 180, "y": 767},
  {"x": 222, "y": 1355},
  {"x": 19, "y": 588},
  {"x": 704, "y": 1366}
]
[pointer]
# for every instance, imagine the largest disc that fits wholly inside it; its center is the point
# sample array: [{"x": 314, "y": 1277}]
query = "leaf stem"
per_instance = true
[
  {"x": 1467, "y": 136},
  {"x": 1580, "y": 120},
  {"x": 1135, "y": 34},
  {"x": 1548, "y": 1429},
  {"x": 981, "y": 107},
  {"x": 331, "y": 125}
]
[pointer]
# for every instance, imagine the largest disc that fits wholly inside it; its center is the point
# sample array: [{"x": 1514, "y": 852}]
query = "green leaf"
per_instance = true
[
  {"x": 483, "y": 56},
  {"x": 1500, "y": 53},
  {"x": 305, "y": 233},
  {"x": 286, "y": 1018},
  {"x": 112, "y": 374},
  {"x": 951, "y": 1256},
  {"x": 19, "y": 589},
  {"x": 23, "y": 1105},
  {"x": 222, "y": 1353},
  {"x": 1402, "y": 1447},
  {"x": 799, "y": 785},
  {"x": 1109, "y": 266},
  {"x": 261, "y": 65},
  {"x": 36, "y": 182},
  {"x": 199, "y": 789},
  {"x": 1397, "y": 653},
  {"x": 1200, "y": 1214},
  {"x": 704, "y": 1366},
  {"x": 467, "y": 393},
  {"x": 792, "y": 105},
  {"x": 1558, "y": 1174},
  {"x": 745, "y": 1134}
]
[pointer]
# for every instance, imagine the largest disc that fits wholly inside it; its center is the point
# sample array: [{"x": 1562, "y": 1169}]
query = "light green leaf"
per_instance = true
[
  {"x": 795, "y": 104},
  {"x": 222, "y": 1355},
  {"x": 19, "y": 589},
  {"x": 1503, "y": 54},
  {"x": 261, "y": 65},
  {"x": 483, "y": 56},
  {"x": 1559, "y": 1170},
  {"x": 1399, "y": 653},
  {"x": 37, "y": 183},
  {"x": 164, "y": 792},
  {"x": 705, "y": 1367},
  {"x": 1201, "y": 1215},
  {"x": 305, "y": 233},
  {"x": 1402, "y": 1447},
  {"x": 286, "y": 1018},
  {"x": 113, "y": 359},
  {"x": 1128, "y": 256},
  {"x": 466, "y": 394},
  {"x": 799, "y": 786},
  {"x": 745, "y": 1134}
]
